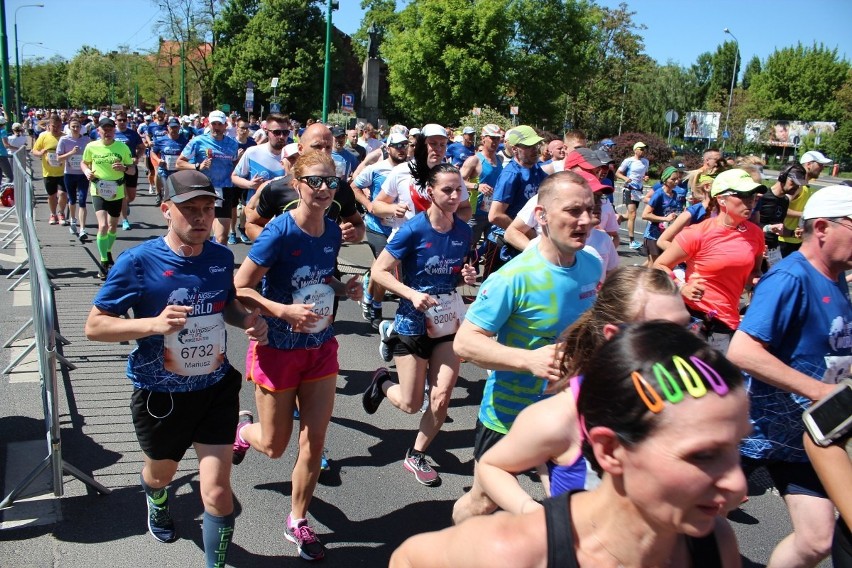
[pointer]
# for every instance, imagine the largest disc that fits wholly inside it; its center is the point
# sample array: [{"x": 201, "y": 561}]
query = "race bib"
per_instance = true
[
  {"x": 322, "y": 297},
  {"x": 837, "y": 368},
  {"x": 773, "y": 255},
  {"x": 52, "y": 160},
  {"x": 107, "y": 189},
  {"x": 170, "y": 162},
  {"x": 445, "y": 318},
  {"x": 387, "y": 221},
  {"x": 197, "y": 349},
  {"x": 75, "y": 161}
]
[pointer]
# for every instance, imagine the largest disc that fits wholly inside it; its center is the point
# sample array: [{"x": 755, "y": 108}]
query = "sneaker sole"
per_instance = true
[
  {"x": 237, "y": 458},
  {"x": 380, "y": 374},
  {"x": 151, "y": 532},
  {"x": 303, "y": 554},
  {"x": 417, "y": 478}
]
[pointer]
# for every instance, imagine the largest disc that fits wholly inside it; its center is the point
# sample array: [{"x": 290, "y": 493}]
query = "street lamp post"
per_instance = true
[
  {"x": 733, "y": 79},
  {"x": 19, "y": 92},
  {"x": 17, "y": 64}
]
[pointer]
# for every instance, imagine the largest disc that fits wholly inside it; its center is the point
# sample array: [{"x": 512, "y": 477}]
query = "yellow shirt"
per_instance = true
[
  {"x": 791, "y": 223},
  {"x": 49, "y": 162}
]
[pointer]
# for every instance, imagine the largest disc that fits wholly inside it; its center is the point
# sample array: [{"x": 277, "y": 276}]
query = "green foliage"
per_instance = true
[
  {"x": 88, "y": 78},
  {"x": 447, "y": 56},
  {"x": 383, "y": 14},
  {"x": 45, "y": 83},
  {"x": 487, "y": 115},
  {"x": 799, "y": 83},
  {"x": 751, "y": 71},
  {"x": 657, "y": 151}
]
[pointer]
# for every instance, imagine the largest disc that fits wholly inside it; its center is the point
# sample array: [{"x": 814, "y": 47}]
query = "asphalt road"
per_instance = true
[{"x": 362, "y": 509}]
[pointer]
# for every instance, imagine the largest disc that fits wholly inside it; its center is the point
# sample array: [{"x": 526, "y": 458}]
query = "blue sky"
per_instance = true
[{"x": 677, "y": 30}]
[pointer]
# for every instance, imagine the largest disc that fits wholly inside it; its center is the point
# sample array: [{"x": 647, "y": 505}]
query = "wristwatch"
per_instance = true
[{"x": 197, "y": 167}]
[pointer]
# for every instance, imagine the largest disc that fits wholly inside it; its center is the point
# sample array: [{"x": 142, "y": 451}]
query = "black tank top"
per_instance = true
[{"x": 703, "y": 552}]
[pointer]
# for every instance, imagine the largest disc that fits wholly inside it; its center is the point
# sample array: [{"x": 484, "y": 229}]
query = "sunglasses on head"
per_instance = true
[{"x": 315, "y": 182}]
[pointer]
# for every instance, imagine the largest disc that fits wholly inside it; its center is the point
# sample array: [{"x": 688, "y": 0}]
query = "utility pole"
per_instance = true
[{"x": 331, "y": 6}]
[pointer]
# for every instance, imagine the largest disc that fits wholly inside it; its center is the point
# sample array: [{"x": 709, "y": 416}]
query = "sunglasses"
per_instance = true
[
  {"x": 315, "y": 182},
  {"x": 279, "y": 133},
  {"x": 400, "y": 145}
]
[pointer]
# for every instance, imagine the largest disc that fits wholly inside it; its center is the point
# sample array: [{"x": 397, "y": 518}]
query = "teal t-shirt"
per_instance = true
[{"x": 527, "y": 304}]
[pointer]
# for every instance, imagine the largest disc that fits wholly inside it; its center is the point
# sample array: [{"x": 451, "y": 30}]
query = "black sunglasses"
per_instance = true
[
  {"x": 315, "y": 182},
  {"x": 279, "y": 132},
  {"x": 400, "y": 145}
]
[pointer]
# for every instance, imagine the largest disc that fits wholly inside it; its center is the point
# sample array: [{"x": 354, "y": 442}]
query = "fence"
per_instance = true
[{"x": 44, "y": 323}]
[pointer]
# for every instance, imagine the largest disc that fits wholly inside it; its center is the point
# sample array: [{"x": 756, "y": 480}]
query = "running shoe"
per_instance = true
[
  {"x": 385, "y": 333},
  {"x": 374, "y": 394},
  {"x": 83, "y": 236},
  {"x": 376, "y": 317},
  {"x": 152, "y": 191},
  {"x": 241, "y": 446},
  {"x": 72, "y": 228},
  {"x": 366, "y": 310},
  {"x": 634, "y": 245},
  {"x": 53, "y": 219},
  {"x": 125, "y": 225},
  {"x": 425, "y": 406},
  {"x": 158, "y": 201},
  {"x": 416, "y": 463},
  {"x": 160, "y": 522},
  {"x": 307, "y": 543},
  {"x": 244, "y": 238},
  {"x": 232, "y": 239},
  {"x": 62, "y": 220},
  {"x": 110, "y": 261},
  {"x": 103, "y": 270},
  {"x": 325, "y": 464}
]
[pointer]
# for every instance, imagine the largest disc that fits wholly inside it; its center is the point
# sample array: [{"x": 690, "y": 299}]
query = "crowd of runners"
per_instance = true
[{"x": 643, "y": 395}]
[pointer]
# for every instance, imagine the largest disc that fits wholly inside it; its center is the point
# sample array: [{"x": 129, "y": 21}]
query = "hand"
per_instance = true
[
  {"x": 469, "y": 274},
  {"x": 671, "y": 217},
  {"x": 544, "y": 363},
  {"x": 798, "y": 232},
  {"x": 118, "y": 166},
  {"x": 256, "y": 181},
  {"x": 171, "y": 320},
  {"x": 422, "y": 301},
  {"x": 485, "y": 189},
  {"x": 299, "y": 316},
  {"x": 354, "y": 289},
  {"x": 777, "y": 228},
  {"x": 348, "y": 231},
  {"x": 401, "y": 210},
  {"x": 89, "y": 174},
  {"x": 694, "y": 287},
  {"x": 205, "y": 165},
  {"x": 256, "y": 327}
]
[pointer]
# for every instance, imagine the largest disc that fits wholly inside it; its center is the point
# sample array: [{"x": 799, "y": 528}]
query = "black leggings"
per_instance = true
[{"x": 6, "y": 168}]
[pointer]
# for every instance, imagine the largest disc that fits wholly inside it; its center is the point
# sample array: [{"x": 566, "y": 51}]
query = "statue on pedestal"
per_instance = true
[{"x": 373, "y": 43}]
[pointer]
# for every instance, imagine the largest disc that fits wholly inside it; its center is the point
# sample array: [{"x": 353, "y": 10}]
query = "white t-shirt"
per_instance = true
[
  {"x": 399, "y": 185},
  {"x": 17, "y": 141},
  {"x": 634, "y": 168},
  {"x": 370, "y": 144},
  {"x": 609, "y": 220}
]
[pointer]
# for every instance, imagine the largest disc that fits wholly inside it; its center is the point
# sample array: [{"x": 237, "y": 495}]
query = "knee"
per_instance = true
[
  {"x": 218, "y": 497},
  {"x": 273, "y": 447},
  {"x": 814, "y": 545},
  {"x": 439, "y": 399}
]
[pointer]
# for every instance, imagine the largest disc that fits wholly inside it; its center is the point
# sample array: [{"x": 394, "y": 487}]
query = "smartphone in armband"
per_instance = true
[{"x": 831, "y": 417}]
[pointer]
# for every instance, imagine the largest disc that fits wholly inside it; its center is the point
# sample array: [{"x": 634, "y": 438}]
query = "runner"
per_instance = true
[
  {"x": 167, "y": 149},
  {"x": 245, "y": 141},
  {"x": 104, "y": 164},
  {"x": 137, "y": 149},
  {"x": 431, "y": 249},
  {"x": 69, "y": 150},
  {"x": 186, "y": 393},
  {"x": 215, "y": 154},
  {"x": 54, "y": 182},
  {"x": 295, "y": 259},
  {"x": 634, "y": 172}
]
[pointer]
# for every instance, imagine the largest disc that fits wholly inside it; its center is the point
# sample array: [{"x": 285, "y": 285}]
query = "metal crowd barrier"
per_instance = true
[{"x": 44, "y": 323}]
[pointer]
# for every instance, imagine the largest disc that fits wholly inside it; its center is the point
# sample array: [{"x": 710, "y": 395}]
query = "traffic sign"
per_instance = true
[
  {"x": 477, "y": 111},
  {"x": 726, "y": 134},
  {"x": 274, "y": 82},
  {"x": 513, "y": 111},
  {"x": 274, "y": 107},
  {"x": 249, "y": 105},
  {"x": 671, "y": 116},
  {"x": 347, "y": 103}
]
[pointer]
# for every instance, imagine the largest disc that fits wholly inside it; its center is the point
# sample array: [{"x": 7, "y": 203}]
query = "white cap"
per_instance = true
[
  {"x": 399, "y": 128},
  {"x": 434, "y": 130},
  {"x": 290, "y": 150},
  {"x": 829, "y": 203},
  {"x": 217, "y": 116},
  {"x": 397, "y": 138},
  {"x": 414, "y": 132},
  {"x": 814, "y": 156}
]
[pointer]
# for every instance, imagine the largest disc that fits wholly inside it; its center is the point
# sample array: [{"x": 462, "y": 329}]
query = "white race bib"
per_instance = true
[
  {"x": 773, "y": 255},
  {"x": 445, "y": 318},
  {"x": 197, "y": 349},
  {"x": 837, "y": 368},
  {"x": 52, "y": 160},
  {"x": 322, "y": 297},
  {"x": 107, "y": 189},
  {"x": 170, "y": 162},
  {"x": 75, "y": 161}
]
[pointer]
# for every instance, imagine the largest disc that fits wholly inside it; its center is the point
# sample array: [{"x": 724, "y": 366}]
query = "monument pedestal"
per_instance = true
[{"x": 370, "y": 90}]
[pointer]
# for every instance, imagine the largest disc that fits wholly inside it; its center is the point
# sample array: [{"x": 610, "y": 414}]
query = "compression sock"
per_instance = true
[
  {"x": 217, "y": 533},
  {"x": 103, "y": 246},
  {"x": 156, "y": 496},
  {"x": 110, "y": 241}
]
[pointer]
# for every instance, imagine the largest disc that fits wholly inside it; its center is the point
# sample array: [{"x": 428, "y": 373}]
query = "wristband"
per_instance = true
[
  {"x": 197, "y": 167},
  {"x": 476, "y": 186}
]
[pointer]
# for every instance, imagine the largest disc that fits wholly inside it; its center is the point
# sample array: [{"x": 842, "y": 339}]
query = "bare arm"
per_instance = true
[
  {"x": 353, "y": 228},
  {"x": 683, "y": 221},
  {"x": 476, "y": 345},
  {"x": 362, "y": 196},
  {"x": 371, "y": 158},
  {"x": 497, "y": 214},
  {"x": 541, "y": 431},
  {"x": 519, "y": 234},
  {"x": 108, "y": 327},
  {"x": 246, "y": 281},
  {"x": 382, "y": 274},
  {"x": 835, "y": 471},
  {"x": 385, "y": 206},
  {"x": 753, "y": 357}
]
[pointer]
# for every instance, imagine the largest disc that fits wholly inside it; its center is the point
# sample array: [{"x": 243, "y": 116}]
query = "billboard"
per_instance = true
[
  {"x": 702, "y": 124},
  {"x": 784, "y": 132}
]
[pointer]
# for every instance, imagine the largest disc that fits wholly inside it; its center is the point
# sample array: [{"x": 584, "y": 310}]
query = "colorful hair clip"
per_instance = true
[
  {"x": 690, "y": 377},
  {"x": 671, "y": 390},
  {"x": 711, "y": 375},
  {"x": 647, "y": 393}
]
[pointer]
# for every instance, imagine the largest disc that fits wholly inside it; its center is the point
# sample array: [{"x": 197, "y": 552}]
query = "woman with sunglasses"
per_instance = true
[
  {"x": 431, "y": 249},
  {"x": 294, "y": 259},
  {"x": 723, "y": 255}
]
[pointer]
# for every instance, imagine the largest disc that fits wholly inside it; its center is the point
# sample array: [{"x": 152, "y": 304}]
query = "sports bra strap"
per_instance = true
[{"x": 560, "y": 533}]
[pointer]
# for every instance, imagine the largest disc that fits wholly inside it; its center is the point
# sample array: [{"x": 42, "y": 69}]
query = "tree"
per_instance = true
[
  {"x": 751, "y": 71},
  {"x": 799, "y": 83},
  {"x": 382, "y": 14},
  {"x": 89, "y": 75},
  {"x": 45, "y": 82},
  {"x": 447, "y": 56},
  {"x": 487, "y": 115}
]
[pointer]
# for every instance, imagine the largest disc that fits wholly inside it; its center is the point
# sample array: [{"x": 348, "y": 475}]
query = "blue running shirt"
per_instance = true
[{"x": 223, "y": 152}]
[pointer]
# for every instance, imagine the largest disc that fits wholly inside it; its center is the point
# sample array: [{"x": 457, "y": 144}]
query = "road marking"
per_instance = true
[{"x": 40, "y": 507}]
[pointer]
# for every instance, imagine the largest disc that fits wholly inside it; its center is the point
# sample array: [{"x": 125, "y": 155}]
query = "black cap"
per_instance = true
[
  {"x": 184, "y": 185},
  {"x": 106, "y": 121},
  {"x": 338, "y": 131},
  {"x": 173, "y": 122}
]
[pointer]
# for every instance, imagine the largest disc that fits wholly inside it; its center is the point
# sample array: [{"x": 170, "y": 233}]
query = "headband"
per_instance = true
[{"x": 671, "y": 389}]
